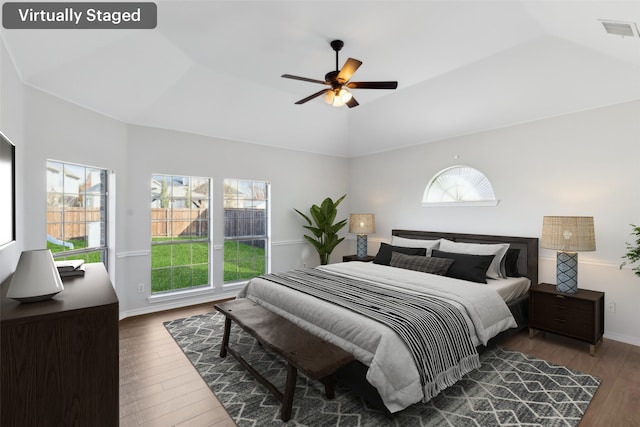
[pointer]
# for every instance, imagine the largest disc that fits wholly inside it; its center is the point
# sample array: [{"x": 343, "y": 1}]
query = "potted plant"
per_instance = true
[
  {"x": 633, "y": 251},
  {"x": 325, "y": 231}
]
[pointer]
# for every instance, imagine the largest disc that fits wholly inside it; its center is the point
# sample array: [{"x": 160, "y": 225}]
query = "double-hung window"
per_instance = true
[
  {"x": 246, "y": 229},
  {"x": 180, "y": 232},
  {"x": 77, "y": 212}
]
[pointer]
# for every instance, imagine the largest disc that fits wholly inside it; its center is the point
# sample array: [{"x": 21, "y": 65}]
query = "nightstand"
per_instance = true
[
  {"x": 348, "y": 258},
  {"x": 579, "y": 315}
]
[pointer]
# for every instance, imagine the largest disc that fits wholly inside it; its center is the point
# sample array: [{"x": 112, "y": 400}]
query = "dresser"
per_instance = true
[
  {"x": 579, "y": 315},
  {"x": 59, "y": 358}
]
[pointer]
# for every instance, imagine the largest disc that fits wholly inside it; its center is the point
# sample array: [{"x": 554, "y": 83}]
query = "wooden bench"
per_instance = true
[{"x": 302, "y": 350}]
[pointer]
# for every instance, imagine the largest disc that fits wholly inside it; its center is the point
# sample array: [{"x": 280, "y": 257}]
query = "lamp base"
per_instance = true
[
  {"x": 36, "y": 298},
  {"x": 567, "y": 272},
  {"x": 361, "y": 245}
]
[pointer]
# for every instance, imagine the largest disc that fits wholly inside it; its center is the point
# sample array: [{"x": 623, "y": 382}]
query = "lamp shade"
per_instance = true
[
  {"x": 568, "y": 233},
  {"x": 36, "y": 277},
  {"x": 362, "y": 223}
]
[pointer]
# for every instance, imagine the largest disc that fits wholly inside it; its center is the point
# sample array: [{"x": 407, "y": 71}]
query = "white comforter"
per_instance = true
[{"x": 391, "y": 368}]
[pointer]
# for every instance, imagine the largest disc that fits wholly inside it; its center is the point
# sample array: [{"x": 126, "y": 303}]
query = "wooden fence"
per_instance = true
[
  {"x": 164, "y": 222},
  {"x": 179, "y": 222},
  {"x": 75, "y": 222},
  {"x": 193, "y": 222},
  {"x": 245, "y": 222}
]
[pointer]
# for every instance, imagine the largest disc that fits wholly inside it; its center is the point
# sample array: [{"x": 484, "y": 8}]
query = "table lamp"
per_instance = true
[
  {"x": 36, "y": 277},
  {"x": 568, "y": 235},
  {"x": 362, "y": 224}
]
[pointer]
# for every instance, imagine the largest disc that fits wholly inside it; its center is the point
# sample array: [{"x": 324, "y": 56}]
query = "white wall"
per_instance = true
[
  {"x": 579, "y": 164},
  {"x": 12, "y": 125}
]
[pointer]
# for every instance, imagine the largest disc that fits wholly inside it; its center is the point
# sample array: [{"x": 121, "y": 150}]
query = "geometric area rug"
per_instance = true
[{"x": 509, "y": 389}]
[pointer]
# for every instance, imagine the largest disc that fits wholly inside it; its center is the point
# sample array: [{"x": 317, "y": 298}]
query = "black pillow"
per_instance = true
[
  {"x": 511, "y": 263},
  {"x": 425, "y": 264},
  {"x": 384, "y": 253},
  {"x": 465, "y": 266}
]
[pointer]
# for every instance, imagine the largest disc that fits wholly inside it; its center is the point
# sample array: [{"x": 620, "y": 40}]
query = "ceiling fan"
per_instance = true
[{"x": 337, "y": 94}]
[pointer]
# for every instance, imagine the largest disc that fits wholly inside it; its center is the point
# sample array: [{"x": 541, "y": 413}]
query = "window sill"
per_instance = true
[
  {"x": 178, "y": 295},
  {"x": 469, "y": 203},
  {"x": 238, "y": 284}
]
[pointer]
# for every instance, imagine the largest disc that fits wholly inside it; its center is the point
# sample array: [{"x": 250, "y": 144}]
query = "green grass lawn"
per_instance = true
[
  {"x": 182, "y": 266},
  {"x": 186, "y": 265},
  {"x": 77, "y": 244}
]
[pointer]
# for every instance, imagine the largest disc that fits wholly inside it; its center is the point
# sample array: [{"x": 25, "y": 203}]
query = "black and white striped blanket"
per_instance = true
[{"x": 433, "y": 330}]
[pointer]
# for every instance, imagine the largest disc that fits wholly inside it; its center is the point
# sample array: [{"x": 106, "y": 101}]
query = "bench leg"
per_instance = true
[
  {"x": 225, "y": 337},
  {"x": 289, "y": 390},
  {"x": 329, "y": 386}
]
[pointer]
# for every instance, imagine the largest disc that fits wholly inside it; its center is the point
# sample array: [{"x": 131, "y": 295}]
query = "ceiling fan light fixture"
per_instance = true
[
  {"x": 337, "y": 97},
  {"x": 337, "y": 102},
  {"x": 329, "y": 96},
  {"x": 345, "y": 95}
]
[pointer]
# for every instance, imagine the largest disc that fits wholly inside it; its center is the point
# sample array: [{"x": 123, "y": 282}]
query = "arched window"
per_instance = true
[{"x": 459, "y": 186}]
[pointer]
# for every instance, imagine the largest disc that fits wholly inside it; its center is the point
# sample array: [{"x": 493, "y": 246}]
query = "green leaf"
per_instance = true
[
  {"x": 315, "y": 230},
  {"x": 303, "y": 215}
]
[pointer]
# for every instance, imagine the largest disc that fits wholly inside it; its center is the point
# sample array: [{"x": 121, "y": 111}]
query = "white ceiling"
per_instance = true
[{"x": 214, "y": 67}]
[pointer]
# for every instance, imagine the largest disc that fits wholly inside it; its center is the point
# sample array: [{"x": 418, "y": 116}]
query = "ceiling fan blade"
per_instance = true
[
  {"x": 315, "y": 95},
  {"x": 352, "y": 103},
  {"x": 348, "y": 69},
  {"x": 372, "y": 85},
  {"x": 304, "y": 79}
]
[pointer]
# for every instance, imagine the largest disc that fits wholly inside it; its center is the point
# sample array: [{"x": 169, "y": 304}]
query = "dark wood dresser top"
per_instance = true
[{"x": 91, "y": 290}]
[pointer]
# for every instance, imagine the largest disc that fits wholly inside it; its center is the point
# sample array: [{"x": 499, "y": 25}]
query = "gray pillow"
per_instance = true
[{"x": 424, "y": 264}]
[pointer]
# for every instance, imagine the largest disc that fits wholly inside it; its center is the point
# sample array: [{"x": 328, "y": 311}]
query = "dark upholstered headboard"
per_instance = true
[{"x": 527, "y": 259}]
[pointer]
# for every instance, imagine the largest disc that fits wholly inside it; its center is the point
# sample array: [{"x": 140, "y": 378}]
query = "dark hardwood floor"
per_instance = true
[{"x": 160, "y": 387}]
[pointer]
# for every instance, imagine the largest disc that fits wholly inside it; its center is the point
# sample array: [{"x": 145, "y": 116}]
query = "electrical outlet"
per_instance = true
[
  {"x": 140, "y": 287},
  {"x": 612, "y": 307}
]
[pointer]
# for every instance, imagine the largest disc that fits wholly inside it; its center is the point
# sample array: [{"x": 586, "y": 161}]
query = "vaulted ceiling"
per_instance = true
[{"x": 214, "y": 67}]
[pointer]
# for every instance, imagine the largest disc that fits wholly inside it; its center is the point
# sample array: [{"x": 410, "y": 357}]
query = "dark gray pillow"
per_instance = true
[
  {"x": 466, "y": 267},
  {"x": 425, "y": 264},
  {"x": 511, "y": 263},
  {"x": 384, "y": 253}
]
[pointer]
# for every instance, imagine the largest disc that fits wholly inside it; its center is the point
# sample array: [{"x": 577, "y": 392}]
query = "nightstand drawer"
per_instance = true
[
  {"x": 564, "y": 324},
  {"x": 561, "y": 306},
  {"x": 348, "y": 258}
]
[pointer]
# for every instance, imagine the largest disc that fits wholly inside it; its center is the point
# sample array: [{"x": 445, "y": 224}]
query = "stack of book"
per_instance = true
[{"x": 70, "y": 268}]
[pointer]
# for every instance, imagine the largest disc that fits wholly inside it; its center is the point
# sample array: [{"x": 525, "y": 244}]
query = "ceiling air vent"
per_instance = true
[{"x": 619, "y": 28}]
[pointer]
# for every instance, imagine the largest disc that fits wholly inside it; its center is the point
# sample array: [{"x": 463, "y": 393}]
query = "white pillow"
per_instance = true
[
  {"x": 499, "y": 250},
  {"x": 429, "y": 245}
]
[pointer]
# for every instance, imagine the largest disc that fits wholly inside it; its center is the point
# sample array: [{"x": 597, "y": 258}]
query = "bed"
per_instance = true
[{"x": 392, "y": 371}]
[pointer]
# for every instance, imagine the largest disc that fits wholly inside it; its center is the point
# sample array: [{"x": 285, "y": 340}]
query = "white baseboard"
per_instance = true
[
  {"x": 178, "y": 303},
  {"x": 623, "y": 338}
]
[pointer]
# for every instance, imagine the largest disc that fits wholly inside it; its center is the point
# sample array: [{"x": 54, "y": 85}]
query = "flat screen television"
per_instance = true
[{"x": 7, "y": 191}]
